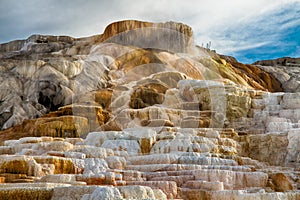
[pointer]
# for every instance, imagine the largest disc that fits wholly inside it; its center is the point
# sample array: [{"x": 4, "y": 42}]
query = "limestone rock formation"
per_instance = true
[
  {"x": 150, "y": 35},
  {"x": 140, "y": 112},
  {"x": 285, "y": 70}
]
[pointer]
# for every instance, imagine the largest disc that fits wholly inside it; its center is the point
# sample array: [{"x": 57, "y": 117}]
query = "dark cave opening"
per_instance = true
[{"x": 47, "y": 101}]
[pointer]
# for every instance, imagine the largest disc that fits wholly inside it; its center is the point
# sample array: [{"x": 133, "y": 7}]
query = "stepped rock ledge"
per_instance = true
[{"x": 141, "y": 112}]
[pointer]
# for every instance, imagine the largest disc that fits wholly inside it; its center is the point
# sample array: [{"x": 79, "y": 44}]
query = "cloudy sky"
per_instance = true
[{"x": 249, "y": 30}]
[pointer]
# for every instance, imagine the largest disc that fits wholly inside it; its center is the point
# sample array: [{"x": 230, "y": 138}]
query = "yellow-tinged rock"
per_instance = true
[
  {"x": 64, "y": 126},
  {"x": 18, "y": 165},
  {"x": 26, "y": 193},
  {"x": 170, "y": 78},
  {"x": 280, "y": 182},
  {"x": 95, "y": 115},
  {"x": 62, "y": 165}
]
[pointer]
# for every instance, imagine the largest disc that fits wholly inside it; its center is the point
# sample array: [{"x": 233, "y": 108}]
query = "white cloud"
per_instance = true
[
  {"x": 266, "y": 28},
  {"x": 232, "y": 26},
  {"x": 234, "y": 46}
]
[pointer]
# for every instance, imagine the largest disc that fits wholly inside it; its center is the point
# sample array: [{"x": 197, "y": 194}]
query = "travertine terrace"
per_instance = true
[{"x": 141, "y": 112}]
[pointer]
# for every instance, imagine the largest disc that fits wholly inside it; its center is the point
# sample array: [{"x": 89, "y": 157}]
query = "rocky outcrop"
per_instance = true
[
  {"x": 285, "y": 70},
  {"x": 139, "y": 112},
  {"x": 49, "y": 72},
  {"x": 260, "y": 78},
  {"x": 194, "y": 162},
  {"x": 285, "y": 61},
  {"x": 174, "y": 37},
  {"x": 273, "y": 128}
]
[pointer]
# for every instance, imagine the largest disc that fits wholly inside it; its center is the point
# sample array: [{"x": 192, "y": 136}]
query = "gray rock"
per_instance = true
[{"x": 106, "y": 193}]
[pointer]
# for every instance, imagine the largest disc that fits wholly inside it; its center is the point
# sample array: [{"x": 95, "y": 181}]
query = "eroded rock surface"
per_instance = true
[
  {"x": 140, "y": 112},
  {"x": 286, "y": 70}
]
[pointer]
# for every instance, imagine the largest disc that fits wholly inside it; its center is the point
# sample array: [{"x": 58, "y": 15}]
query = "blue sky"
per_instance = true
[{"x": 248, "y": 30}]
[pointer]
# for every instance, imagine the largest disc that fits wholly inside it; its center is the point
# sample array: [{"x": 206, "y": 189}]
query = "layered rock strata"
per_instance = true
[{"x": 140, "y": 112}]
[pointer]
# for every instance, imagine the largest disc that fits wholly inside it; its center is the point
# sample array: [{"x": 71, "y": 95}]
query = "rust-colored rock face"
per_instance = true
[
  {"x": 140, "y": 112},
  {"x": 127, "y": 25},
  {"x": 174, "y": 37},
  {"x": 256, "y": 77},
  {"x": 123, "y": 26}
]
